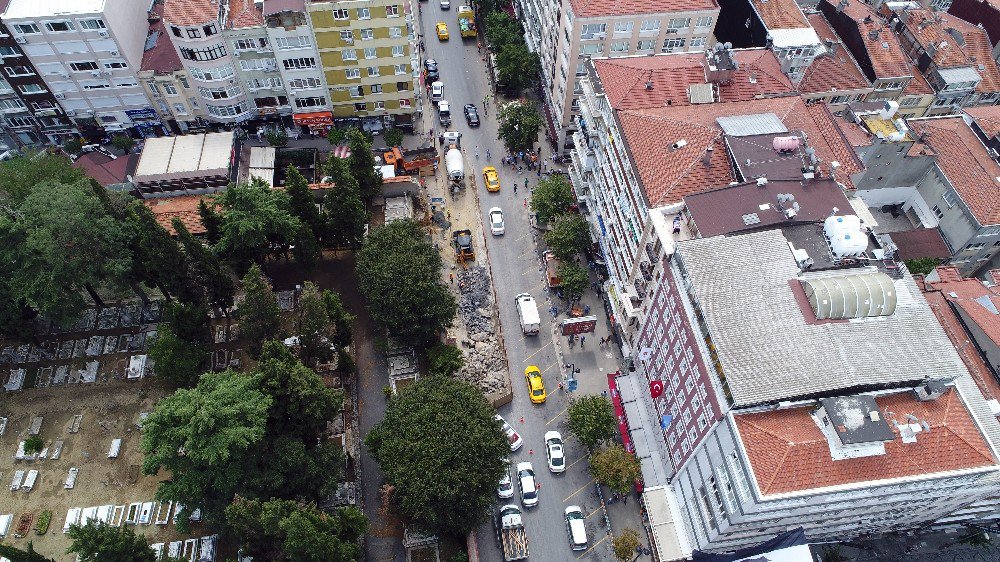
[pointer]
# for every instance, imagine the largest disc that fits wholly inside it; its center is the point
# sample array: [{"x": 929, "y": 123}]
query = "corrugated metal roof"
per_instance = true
[
  {"x": 959, "y": 74},
  {"x": 798, "y": 37},
  {"x": 262, "y": 156},
  {"x": 747, "y": 125}
]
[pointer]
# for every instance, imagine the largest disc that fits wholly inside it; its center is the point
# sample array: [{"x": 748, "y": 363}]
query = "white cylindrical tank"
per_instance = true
[
  {"x": 455, "y": 164},
  {"x": 845, "y": 235}
]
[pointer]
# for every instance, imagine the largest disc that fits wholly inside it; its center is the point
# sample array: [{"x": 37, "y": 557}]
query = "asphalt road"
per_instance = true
[{"x": 515, "y": 266}]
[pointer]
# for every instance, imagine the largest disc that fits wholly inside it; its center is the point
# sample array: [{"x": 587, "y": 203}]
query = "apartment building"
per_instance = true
[
  {"x": 564, "y": 38},
  {"x": 834, "y": 77},
  {"x": 88, "y": 54},
  {"x": 368, "y": 59},
  {"x": 779, "y": 25},
  {"x": 195, "y": 28},
  {"x": 254, "y": 61},
  {"x": 164, "y": 78},
  {"x": 985, "y": 14}
]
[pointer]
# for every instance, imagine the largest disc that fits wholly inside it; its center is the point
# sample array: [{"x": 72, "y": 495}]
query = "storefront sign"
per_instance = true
[
  {"x": 145, "y": 113},
  {"x": 318, "y": 118}
]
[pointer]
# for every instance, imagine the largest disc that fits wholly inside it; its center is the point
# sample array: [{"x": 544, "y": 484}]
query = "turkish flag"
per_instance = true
[{"x": 655, "y": 388}]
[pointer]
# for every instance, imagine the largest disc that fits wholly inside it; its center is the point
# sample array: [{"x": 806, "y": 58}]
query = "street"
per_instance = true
[{"x": 515, "y": 265}]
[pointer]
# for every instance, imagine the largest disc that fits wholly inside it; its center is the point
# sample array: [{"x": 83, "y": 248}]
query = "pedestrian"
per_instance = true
[
  {"x": 451, "y": 278},
  {"x": 604, "y": 393},
  {"x": 539, "y": 171},
  {"x": 515, "y": 187},
  {"x": 525, "y": 183},
  {"x": 560, "y": 386},
  {"x": 582, "y": 339}
]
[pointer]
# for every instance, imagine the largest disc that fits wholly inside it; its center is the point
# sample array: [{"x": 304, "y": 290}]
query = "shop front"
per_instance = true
[
  {"x": 146, "y": 122},
  {"x": 317, "y": 122}
]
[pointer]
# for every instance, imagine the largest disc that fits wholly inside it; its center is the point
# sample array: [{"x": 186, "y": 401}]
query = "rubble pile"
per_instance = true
[
  {"x": 485, "y": 363},
  {"x": 475, "y": 301}
]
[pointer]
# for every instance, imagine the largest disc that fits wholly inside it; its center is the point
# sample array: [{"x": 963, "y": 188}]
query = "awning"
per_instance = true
[
  {"x": 666, "y": 527},
  {"x": 616, "y": 401},
  {"x": 644, "y": 429},
  {"x": 316, "y": 118}
]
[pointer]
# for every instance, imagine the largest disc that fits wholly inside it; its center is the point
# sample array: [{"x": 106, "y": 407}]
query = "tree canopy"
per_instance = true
[
  {"x": 569, "y": 236},
  {"x": 315, "y": 329},
  {"x": 519, "y": 124},
  {"x": 616, "y": 468},
  {"x": 443, "y": 451},
  {"x": 27, "y": 555},
  {"x": 256, "y": 221},
  {"x": 178, "y": 361},
  {"x": 444, "y": 360},
  {"x": 575, "y": 280},
  {"x": 501, "y": 30},
  {"x": 259, "y": 313},
  {"x": 625, "y": 543},
  {"x": 399, "y": 275},
  {"x": 100, "y": 542},
  {"x": 283, "y": 530},
  {"x": 518, "y": 68},
  {"x": 591, "y": 418},
  {"x": 209, "y": 273},
  {"x": 20, "y": 175},
  {"x": 343, "y": 321},
  {"x": 552, "y": 197},
  {"x": 345, "y": 214},
  {"x": 362, "y": 163}
]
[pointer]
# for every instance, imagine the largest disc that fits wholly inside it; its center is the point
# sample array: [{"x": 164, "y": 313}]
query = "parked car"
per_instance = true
[
  {"x": 471, "y": 115},
  {"x": 442, "y": 31},
  {"x": 575, "y": 528},
  {"x": 431, "y": 71},
  {"x": 505, "y": 488},
  {"x": 437, "y": 91},
  {"x": 445, "y": 4},
  {"x": 512, "y": 436},
  {"x": 496, "y": 221},
  {"x": 554, "y": 451},
  {"x": 491, "y": 178},
  {"x": 536, "y": 386},
  {"x": 526, "y": 481}
]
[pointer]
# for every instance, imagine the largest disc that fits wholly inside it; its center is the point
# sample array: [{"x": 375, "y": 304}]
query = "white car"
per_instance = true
[
  {"x": 445, "y": 4},
  {"x": 526, "y": 481},
  {"x": 554, "y": 451},
  {"x": 496, "y": 221},
  {"x": 505, "y": 488},
  {"x": 575, "y": 528},
  {"x": 512, "y": 436}
]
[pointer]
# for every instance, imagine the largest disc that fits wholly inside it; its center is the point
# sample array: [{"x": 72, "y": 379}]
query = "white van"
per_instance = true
[
  {"x": 437, "y": 91},
  {"x": 575, "y": 528},
  {"x": 527, "y": 312}
]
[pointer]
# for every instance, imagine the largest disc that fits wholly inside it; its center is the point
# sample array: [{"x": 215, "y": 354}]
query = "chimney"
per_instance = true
[
  {"x": 707, "y": 159},
  {"x": 721, "y": 64}
]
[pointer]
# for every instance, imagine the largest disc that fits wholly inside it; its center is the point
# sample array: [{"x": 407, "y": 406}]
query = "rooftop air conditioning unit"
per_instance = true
[
  {"x": 60, "y": 96},
  {"x": 115, "y": 54},
  {"x": 102, "y": 33},
  {"x": 20, "y": 40},
  {"x": 236, "y": 54}
]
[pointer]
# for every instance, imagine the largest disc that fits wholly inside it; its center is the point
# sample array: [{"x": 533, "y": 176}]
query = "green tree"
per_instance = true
[
  {"x": 502, "y": 30},
  {"x": 551, "y": 197},
  {"x": 276, "y": 137},
  {"x": 189, "y": 322},
  {"x": 346, "y": 217},
  {"x": 443, "y": 451},
  {"x": 519, "y": 124},
  {"x": 517, "y": 67},
  {"x": 444, "y": 360},
  {"x": 591, "y": 418},
  {"x": 211, "y": 220},
  {"x": 301, "y": 404},
  {"x": 18, "y": 176},
  {"x": 336, "y": 136},
  {"x": 301, "y": 200},
  {"x": 306, "y": 250},
  {"x": 100, "y": 542},
  {"x": 362, "y": 164},
  {"x": 256, "y": 221},
  {"x": 157, "y": 259},
  {"x": 73, "y": 146},
  {"x": 14, "y": 311},
  {"x": 218, "y": 425},
  {"x": 63, "y": 242},
  {"x": 393, "y": 137},
  {"x": 399, "y": 275},
  {"x": 922, "y": 266},
  {"x": 178, "y": 361},
  {"x": 27, "y": 555},
  {"x": 616, "y": 468},
  {"x": 575, "y": 280},
  {"x": 285, "y": 530},
  {"x": 343, "y": 321},
  {"x": 315, "y": 329},
  {"x": 625, "y": 543},
  {"x": 259, "y": 313},
  {"x": 123, "y": 143},
  {"x": 33, "y": 444},
  {"x": 569, "y": 236},
  {"x": 206, "y": 269}
]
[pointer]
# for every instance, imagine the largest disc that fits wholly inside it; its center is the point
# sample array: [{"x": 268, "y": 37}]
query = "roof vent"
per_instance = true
[
  {"x": 761, "y": 182},
  {"x": 752, "y": 218},
  {"x": 649, "y": 84},
  {"x": 679, "y": 144},
  {"x": 853, "y": 427},
  {"x": 863, "y": 295},
  {"x": 931, "y": 390}
]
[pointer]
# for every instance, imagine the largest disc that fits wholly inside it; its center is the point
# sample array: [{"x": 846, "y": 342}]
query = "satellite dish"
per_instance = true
[
  {"x": 729, "y": 45},
  {"x": 926, "y": 426},
  {"x": 795, "y": 206}
]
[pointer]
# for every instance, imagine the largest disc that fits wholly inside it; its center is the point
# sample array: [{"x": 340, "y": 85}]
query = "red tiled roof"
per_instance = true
[
  {"x": 184, "y": 207},
  {"x": 780, "y": 14},
  {"x": 855, "y": 134},
  {"x": 162, "y": 58},
  {"x": 610, "y": 8},
  {"x": 978, "y": 52},
  {"x": 789, "y": 453},
  {"x": 927, "y": 31},
  {"x": 190, "y": 12},
  {"x": 963, "y": 158},
  {"x": 918, "y": 85},
  {"x": 244, "y": 13},
  {"x": 987, "y": 117},
  {"x": 885, "y": 52},
  {"x": 822, "y": 28},
  {"x": 668, "y": 175},
  {"x": 103, "y": 169},
  {"x": 833, "y": 71},
  {"x": 624, "y": 78}
]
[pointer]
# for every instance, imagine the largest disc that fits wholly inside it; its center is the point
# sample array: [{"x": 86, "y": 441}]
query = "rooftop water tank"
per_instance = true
[
  {"x": 785, "y": 144},
  {"x": 846, "y": 236}
]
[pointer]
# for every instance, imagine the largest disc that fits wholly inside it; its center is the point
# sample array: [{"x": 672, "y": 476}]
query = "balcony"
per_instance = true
[{"x": 640, "y": 287}]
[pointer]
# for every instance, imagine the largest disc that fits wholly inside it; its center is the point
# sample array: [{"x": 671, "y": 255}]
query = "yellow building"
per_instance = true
[{"x": 368, "y": 58}]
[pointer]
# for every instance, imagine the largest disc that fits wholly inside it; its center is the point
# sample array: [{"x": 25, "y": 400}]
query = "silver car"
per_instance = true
[{"x": 496, "y": 221}]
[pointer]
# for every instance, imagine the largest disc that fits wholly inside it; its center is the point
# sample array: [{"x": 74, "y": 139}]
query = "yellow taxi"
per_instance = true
[
  {"x": 491, "y": 178},
  {"x": 536, "y": 386},
  {"x": 442, "y": 30}
]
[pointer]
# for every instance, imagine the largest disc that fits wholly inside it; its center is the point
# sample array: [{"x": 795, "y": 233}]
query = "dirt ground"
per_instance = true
[{"x": 110, "y": 411}]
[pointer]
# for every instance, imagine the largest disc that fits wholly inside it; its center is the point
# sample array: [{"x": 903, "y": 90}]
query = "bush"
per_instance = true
[
  {"x": 922, "y": 266},
  {"x": 33, "y": 444},
  {"x": 625, "y": 544},
  {"x": 276, "y": 137},
  {"x": 123, "y": 143},
  {"x": 42, "y": 524},
  {"x": 444, "y": 360},
  {"x": 393, "y": 137},
  {"x": 73, "y": 146}
]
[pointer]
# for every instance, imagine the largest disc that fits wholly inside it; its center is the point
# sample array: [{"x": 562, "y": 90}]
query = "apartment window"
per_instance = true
[
  {"x": 206, "y": 54},
  {"x": 25, "y": 28},
  {"x": 706, "y": 509},
  {"x": 590, "y": 30},
  {"x": 395, "y": 32},
  {"x": 356, "y": 91},
  {"x": 360, "y": 107},
  {"x": 227, "y": 110},
  {"x": 840, "y": 99},
  {"x": 180, "y": 109},
  {"x": 402, "y": 86},
  {"x": 370, "y": 53},
  {"x": 379, "y": 105},
  {"x": 392, "y": 11},
  {"x": 224, "y": 71},
  {"x": 171, "y": 90},
  {"x": 376, "y": 88},
  {"x": 299, "y": 63},
  {"x": 581, "y": 69},
  {"x": 364, "y": 14},
  {"x": 623, "y": 27},
  {"x": 698, "y": 44},
  {"x": 349, "y": 54},
  {"x": 304, "y": 83},
  {"x": 296, "y": 42},
  {"x": 20, "y": 121},
  {"x": 250, "y": 44},
  {"x": 113, "y": 64},
  {"x": 176, "y": 31},
  {"x": 671, "y": 45},
  {"x": 649, "y": 26},
  {"x": 341, "y": 15},
  {"x": 271, "y": 101},
  {"x": 219, "y": 93},
  {"x": 974, "y": 247},
  {"x": 193, "y": 33},
  {"x": 679, "y": 23},
  {"x": 21, "y": 71},
  {"x": 184, "y": 81},
  {"x": 352, "y": 73},
  {"x": 8, "y": 52},
  {"x": 59, "y": 26},
  {"x": 909, "y": 102},
  {"x": 949, "y": 198},
  {"x": 153, "y": 87},
  {"x": 645, "y": 45},
  {"x": 890, "y": 85},
  {"x": 405, "y": 104},
  {"x": 937, "y": 212},
  {"x": 592, "y": 49},
  {"x": 398, "y": 51},
  {"x": 97, "y": 85},
  {"x": 92, "y": 24},
  {"x": 399, "y": 69},
  {"x": 317, "y": 101},
  {"x": 11, "y": 104},
  {"x": 31, "y": 89},
  {"x": 373, "y": 71},
  {"x": 619, "y": 47},
  {"x": 703, "y": 21},
  {"x": 83, "y": 66},
  {"x": 575, "y": 106},
  {"x": 367, "y": 34}
]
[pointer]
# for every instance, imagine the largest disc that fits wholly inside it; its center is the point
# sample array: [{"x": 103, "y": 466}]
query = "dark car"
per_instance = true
[
  {"x": 431, "y": 70},
  {"x": 471, "y": 115}
]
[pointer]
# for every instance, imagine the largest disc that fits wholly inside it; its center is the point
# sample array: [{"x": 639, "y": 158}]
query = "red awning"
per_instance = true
[
  {"x": 616, "y": 401},
  {"x": 317, "y": 118}
]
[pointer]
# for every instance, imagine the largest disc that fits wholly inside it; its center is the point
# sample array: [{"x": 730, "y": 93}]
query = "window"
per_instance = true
[
  {"x": 296, "y": 42},
  {"x": 670, "y": 45},
  {"x": 193, "y": 33},
  {"x": 299, "y": 63},
  {"x": 176, "y": 31},
  {"x": 575, "y": 106},
  {"x": 20, "y": 121},
  {"x": 679, "y": 23},
  {"x": 11, "y": 104},
  {"x": 92, "y": 24},
  {"x": 581, "y": 69},
  {"x": 8, "y": 52},
  {"x": 227, "y": 110},
  {"x": 223, "y": 72},
  {"x": 405, "y": 104},
  {"x": 909, "y": 102},
  {"x": 937, "y": 212},
  {"x": 205, "y": 54},
  {"x": 364, "y": 14},
  {"x": 399, "y": 69},
  {"x": 649, "y": 26},
  {"x": 398, "y": 51},
  {"x": 697, "y": 44},
  {"x": 890, "y": 85},
  {"x": 347, "y": 36},
  {"x": 31, "y": 89},
  {"x": 83, "y": 66},
  {"x": 153, "y": 87},
  {"x": 25, "y": 28},
  {"x": 592, "y": 49},
  {"x": 392, "y": 11},
  {"x": 949, "y": 197},
  {"x": 184, "y": 81},
  {"x": 171, "y": 90},
  {"x": 219, "y": 93},
  {"x": 356, "y": 91},
  {"x": 373, "y": 71},
  {"x": 59, "y": 26},
  {"x": 619, "y": 47},
  {"x": 250, "y": 44},
  {"x": 349, "y": 54},
  {"x": 341, "y": 15},
  {"x": 352, "y": 73},
  {"x": 21, "y": 71},
  {"x": 310, "y": 102},
  {"x": 590, "y": 30},
  {"x": 377, "y": 88},
  {"x": 402, "y": 86},
  {"x": 96, "y": 85},
  {"x": 180, "y": 109},
  {"x": 304, "y": 83},
  {"x": 645, "y": 45},
  {"x": 840, "y": 99},
  {"x": 623, "y": 27},
  {"x": 113, "y": 64},
  {"x": 395, "y": 32},
  {"x": 367, "y": 34},
  {"x": 370, "y": 53},
  {"x": 378, "y": 105},
  {"x": 706, "y": 509},
  {"x": 360, "y": 107},
  {"x": 210, "y": 29},
  {"x": 703, "y": 21}
]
